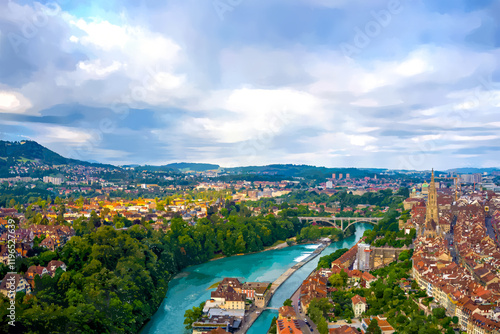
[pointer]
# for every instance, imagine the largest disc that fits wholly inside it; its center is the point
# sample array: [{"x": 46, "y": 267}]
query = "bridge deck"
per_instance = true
[
  {"x": 349, "y": 220},
  {"x": 357, "y": 219}
]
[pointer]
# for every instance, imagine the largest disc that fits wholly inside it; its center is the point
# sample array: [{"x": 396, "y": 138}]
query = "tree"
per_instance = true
[
  {"x": 322, "y": 326},
  {"x": 405, "y": 255},
  {"x": 373, "y": 328},
  {"x": 344, "y": 276},
  {"x": 387, "y": 295},
  {"x": 240, "y": 244},
  {"x": 287, "y": 302},
  {"x": 193, "y": 315},
  {"x": 439, "y": 312},
  {"x": 336, "y": 280},
  {"x": 326, "y": 261}
]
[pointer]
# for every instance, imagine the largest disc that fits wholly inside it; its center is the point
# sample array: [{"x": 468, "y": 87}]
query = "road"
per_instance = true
[
  {"x": 491, "y": 231},
  {"x": 250, "y": 316},
  {"x": 449, "y": 237},
  {"x": 301, "y": 316}
]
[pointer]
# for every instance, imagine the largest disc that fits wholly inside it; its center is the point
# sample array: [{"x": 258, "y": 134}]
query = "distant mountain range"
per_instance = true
[
  {"x": 178, "y": 166},
  {"x": 31, "y": 150}
]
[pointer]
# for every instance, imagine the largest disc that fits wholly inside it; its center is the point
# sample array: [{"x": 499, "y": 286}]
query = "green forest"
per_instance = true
[{"x": 116, "y": 279}]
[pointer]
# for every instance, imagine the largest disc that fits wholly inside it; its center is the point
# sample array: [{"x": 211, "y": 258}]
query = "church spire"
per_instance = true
[{"x": 432, "y": 207}]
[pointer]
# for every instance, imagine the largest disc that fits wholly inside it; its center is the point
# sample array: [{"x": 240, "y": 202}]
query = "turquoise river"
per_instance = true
[{"x": 190, "y": 287}]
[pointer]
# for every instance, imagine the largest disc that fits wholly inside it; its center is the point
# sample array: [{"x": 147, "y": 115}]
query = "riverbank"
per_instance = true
[
  {"x": 279, "y": 246},
  {"x": 256, "y": 312}
]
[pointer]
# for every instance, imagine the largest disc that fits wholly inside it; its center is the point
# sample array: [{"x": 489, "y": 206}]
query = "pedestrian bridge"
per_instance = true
[{"x": 342, "y": 220}]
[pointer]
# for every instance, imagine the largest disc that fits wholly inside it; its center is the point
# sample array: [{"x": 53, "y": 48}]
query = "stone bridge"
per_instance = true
[{"x": 349, "y": 220}]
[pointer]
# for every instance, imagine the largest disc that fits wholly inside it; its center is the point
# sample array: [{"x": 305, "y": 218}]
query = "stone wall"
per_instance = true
[{"x": 383, "y": 256}]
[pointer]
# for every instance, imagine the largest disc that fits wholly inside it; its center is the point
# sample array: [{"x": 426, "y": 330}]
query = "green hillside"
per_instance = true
[{"x": 23, "y": 151}]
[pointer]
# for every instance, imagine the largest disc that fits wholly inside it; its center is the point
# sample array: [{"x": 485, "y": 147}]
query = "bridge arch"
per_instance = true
[
  {"x": 364, "y": 221},
  {"x": 350, "y": 220}
]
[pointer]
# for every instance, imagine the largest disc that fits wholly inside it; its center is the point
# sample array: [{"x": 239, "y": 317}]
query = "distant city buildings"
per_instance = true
[{"x": 54, "y": 180}]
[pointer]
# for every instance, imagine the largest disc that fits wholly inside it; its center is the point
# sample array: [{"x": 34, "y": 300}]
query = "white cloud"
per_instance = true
[
  {"x": 364, "y": 129},
  {"x": 427, "y": 138},
  {"x": 365, "y": 103},
  {"x": 8, "y": 101},
  {"x": 473, "y": 138},
  {"x": 257, "y": 113},
  {"x": 263, "y": 102},
  {"x": 127, "y": 41},
  {"x": 96, "y": 70},
  {"x": 361, "y": 140},
  {"x": 103, "y": 34},
  {"x": 412, "y": 67},
  {"x": 62, "y": 134},
  {"x": 141, "y": 67},
  {"x": 13, "y": 102}
]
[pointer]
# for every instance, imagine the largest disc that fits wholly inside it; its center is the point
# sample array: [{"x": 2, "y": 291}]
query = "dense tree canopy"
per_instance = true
[{"x": 116, "y": 279}]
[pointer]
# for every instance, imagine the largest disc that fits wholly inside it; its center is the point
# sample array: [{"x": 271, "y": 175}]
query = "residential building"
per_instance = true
[
  {"x": 285, "y": 326},
  {"x": 343, "y": 330},
  {"x": 287, "y": 312},
  {"x": 382, "y": 323},
  {"x": 358, "y": 305},
  {"x": 19, "y": 282},
  {"x": 32, "y": 272}
]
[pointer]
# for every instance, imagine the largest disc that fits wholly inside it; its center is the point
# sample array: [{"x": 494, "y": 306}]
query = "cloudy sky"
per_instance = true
[{"x": 408, "y": 84}]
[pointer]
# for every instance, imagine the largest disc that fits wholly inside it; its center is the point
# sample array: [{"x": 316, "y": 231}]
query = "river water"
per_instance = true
[{"x": 190, "y": 287}]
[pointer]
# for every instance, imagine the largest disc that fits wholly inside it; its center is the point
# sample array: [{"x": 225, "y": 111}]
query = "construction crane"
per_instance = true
[{"x": 458, "y": 184}]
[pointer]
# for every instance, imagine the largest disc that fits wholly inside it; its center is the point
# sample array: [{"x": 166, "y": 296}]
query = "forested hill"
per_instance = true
[
  {"x": 305, "y": 171},
  {"x": 178, "y": 166},
  {"x": 10, "y": 152}
]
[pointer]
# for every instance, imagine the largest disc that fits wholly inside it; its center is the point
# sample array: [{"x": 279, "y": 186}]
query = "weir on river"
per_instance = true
[{"x": 276, "y": 284}]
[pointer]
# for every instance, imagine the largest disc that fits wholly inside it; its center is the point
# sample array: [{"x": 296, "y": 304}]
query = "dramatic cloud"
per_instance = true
[{"x": 393, "y": 83}]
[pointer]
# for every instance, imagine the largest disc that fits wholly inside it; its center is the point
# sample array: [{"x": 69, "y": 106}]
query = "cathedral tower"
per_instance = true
[{"x": 432, "y": 206}]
